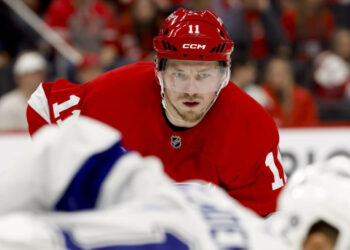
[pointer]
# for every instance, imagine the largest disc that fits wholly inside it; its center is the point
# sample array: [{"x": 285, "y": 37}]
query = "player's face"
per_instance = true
[
  {"x": 318, "y": 241},
  {"x": 190, "y": 88}
]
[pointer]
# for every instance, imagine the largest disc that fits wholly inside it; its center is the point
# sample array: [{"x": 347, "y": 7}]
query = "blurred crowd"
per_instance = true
[{"x": 291, "y": 56}]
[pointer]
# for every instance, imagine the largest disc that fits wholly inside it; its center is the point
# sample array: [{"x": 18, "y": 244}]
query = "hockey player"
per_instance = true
[
  {"x": 183, "y": 110},
  {"x": 314, "y": 207},
  {"x": 77, "y": 188}
]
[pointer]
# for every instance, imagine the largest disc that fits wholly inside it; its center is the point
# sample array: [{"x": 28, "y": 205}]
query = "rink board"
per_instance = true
[{"x": 299, "y": 147}]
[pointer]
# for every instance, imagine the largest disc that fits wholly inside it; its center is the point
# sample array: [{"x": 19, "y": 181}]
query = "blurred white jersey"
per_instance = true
[{"x": 77, "y": 188}]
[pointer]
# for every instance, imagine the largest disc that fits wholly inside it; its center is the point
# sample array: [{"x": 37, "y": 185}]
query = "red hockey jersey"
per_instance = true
[{"x": 234, "y": 146}]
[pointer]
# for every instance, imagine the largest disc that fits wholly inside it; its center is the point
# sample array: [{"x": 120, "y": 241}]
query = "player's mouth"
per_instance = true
[{"x": 191, "y": 104}]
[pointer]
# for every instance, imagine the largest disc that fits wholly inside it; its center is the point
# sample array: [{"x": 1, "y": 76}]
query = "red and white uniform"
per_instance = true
[{"x": 235, "y": 145}]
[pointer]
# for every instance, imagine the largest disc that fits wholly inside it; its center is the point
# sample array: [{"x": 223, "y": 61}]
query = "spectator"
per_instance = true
[
  {"x": 244, "y": 75},
  {"x": 138, "y": 26},
  {"x": 196, "y": 4},
  {"x": 332, "y": 78},
  {"x": 89, "y": 68},
  {"x": 309, "y": 26},
  {"x": 332, "y": 68},
  {"x": 292, "y": 105},
  {"x": 6, "y": 79},
  {"x": 90, "y": 26},
  {"x": 254, "y": 26},
  {"x": 15, "y": 36},
  {"x": 341, "y": 10},
  {"x": 29, "y": 72}
]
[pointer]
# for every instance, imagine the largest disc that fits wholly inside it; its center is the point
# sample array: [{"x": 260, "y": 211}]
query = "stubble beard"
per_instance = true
[{"x": 187, "y": 116}]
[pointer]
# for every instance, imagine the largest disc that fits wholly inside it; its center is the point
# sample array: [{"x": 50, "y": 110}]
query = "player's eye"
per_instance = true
[
  {"x": 179, "y": 75},
  {"x": 203, "y": 75}
]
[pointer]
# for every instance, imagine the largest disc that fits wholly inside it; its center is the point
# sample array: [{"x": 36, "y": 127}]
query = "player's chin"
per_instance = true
[{"x": 192, "y": 116}]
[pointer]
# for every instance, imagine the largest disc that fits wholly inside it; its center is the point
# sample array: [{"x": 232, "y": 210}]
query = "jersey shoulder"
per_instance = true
[
  {"x": 245, "y": 106},
  {"x": 50, "y": 94},
  {"x": 55, "y": 101},
  {"x": 240, "y": 113},
  {"x": 247, "y": 132},
  {"x": 132, "y": 76}
]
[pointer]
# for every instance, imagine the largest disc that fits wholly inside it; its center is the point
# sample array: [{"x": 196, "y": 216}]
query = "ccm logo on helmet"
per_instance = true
[{"x": 193, "y": 46}]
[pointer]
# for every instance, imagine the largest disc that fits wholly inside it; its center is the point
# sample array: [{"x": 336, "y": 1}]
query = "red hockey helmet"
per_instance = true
[{"x": 192, "y": 35}]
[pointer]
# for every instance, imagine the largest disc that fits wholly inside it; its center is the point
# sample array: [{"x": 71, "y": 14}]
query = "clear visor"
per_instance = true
[{"x": 185, "y": 76}]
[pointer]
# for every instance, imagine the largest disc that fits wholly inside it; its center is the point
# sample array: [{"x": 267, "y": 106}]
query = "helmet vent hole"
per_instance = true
[
  {"x": 166, "y": 32},
  {"x": 223, "y": 47},
  {"x": 218, "y": 48},
  {"x": 169, "y": 46},
  {"x": 164, "y": 45},
  {"x": 212, "y": 50},
  {"x": 174, "y": 49}
]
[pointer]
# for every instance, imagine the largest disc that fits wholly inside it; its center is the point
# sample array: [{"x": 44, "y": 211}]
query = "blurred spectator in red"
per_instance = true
[
  {"x": 244, "y": 75},
  {"x": 90, "y": 25},
  {"x": 169, "y": 5},
  {"x": 332, "y": 78},
  {"x": 89, "y": 68},
  {"x": 291, "y": 105},
  {"x": 196, "y": 4},
  {"x": 309, "y": 26},
  {"x": 164, "y": 5},
  {"x": 29, "y": 71},
  {"x": 254, "y": 27},
  {"x": 138, "y": 26}
]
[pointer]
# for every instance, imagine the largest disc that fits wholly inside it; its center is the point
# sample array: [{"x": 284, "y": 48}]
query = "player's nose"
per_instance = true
[{"x": 191, "y": 86}]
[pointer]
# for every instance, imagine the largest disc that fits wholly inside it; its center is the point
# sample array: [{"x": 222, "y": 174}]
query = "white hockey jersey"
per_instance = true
[{"x": 77, "y": 188}]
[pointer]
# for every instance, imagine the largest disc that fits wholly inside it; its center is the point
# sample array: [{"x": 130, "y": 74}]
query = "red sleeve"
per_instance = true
[
  {"x": 35, "y": 121},
  {"x": 38, "y": 113},
  {"x": 52, "y": 103}
]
